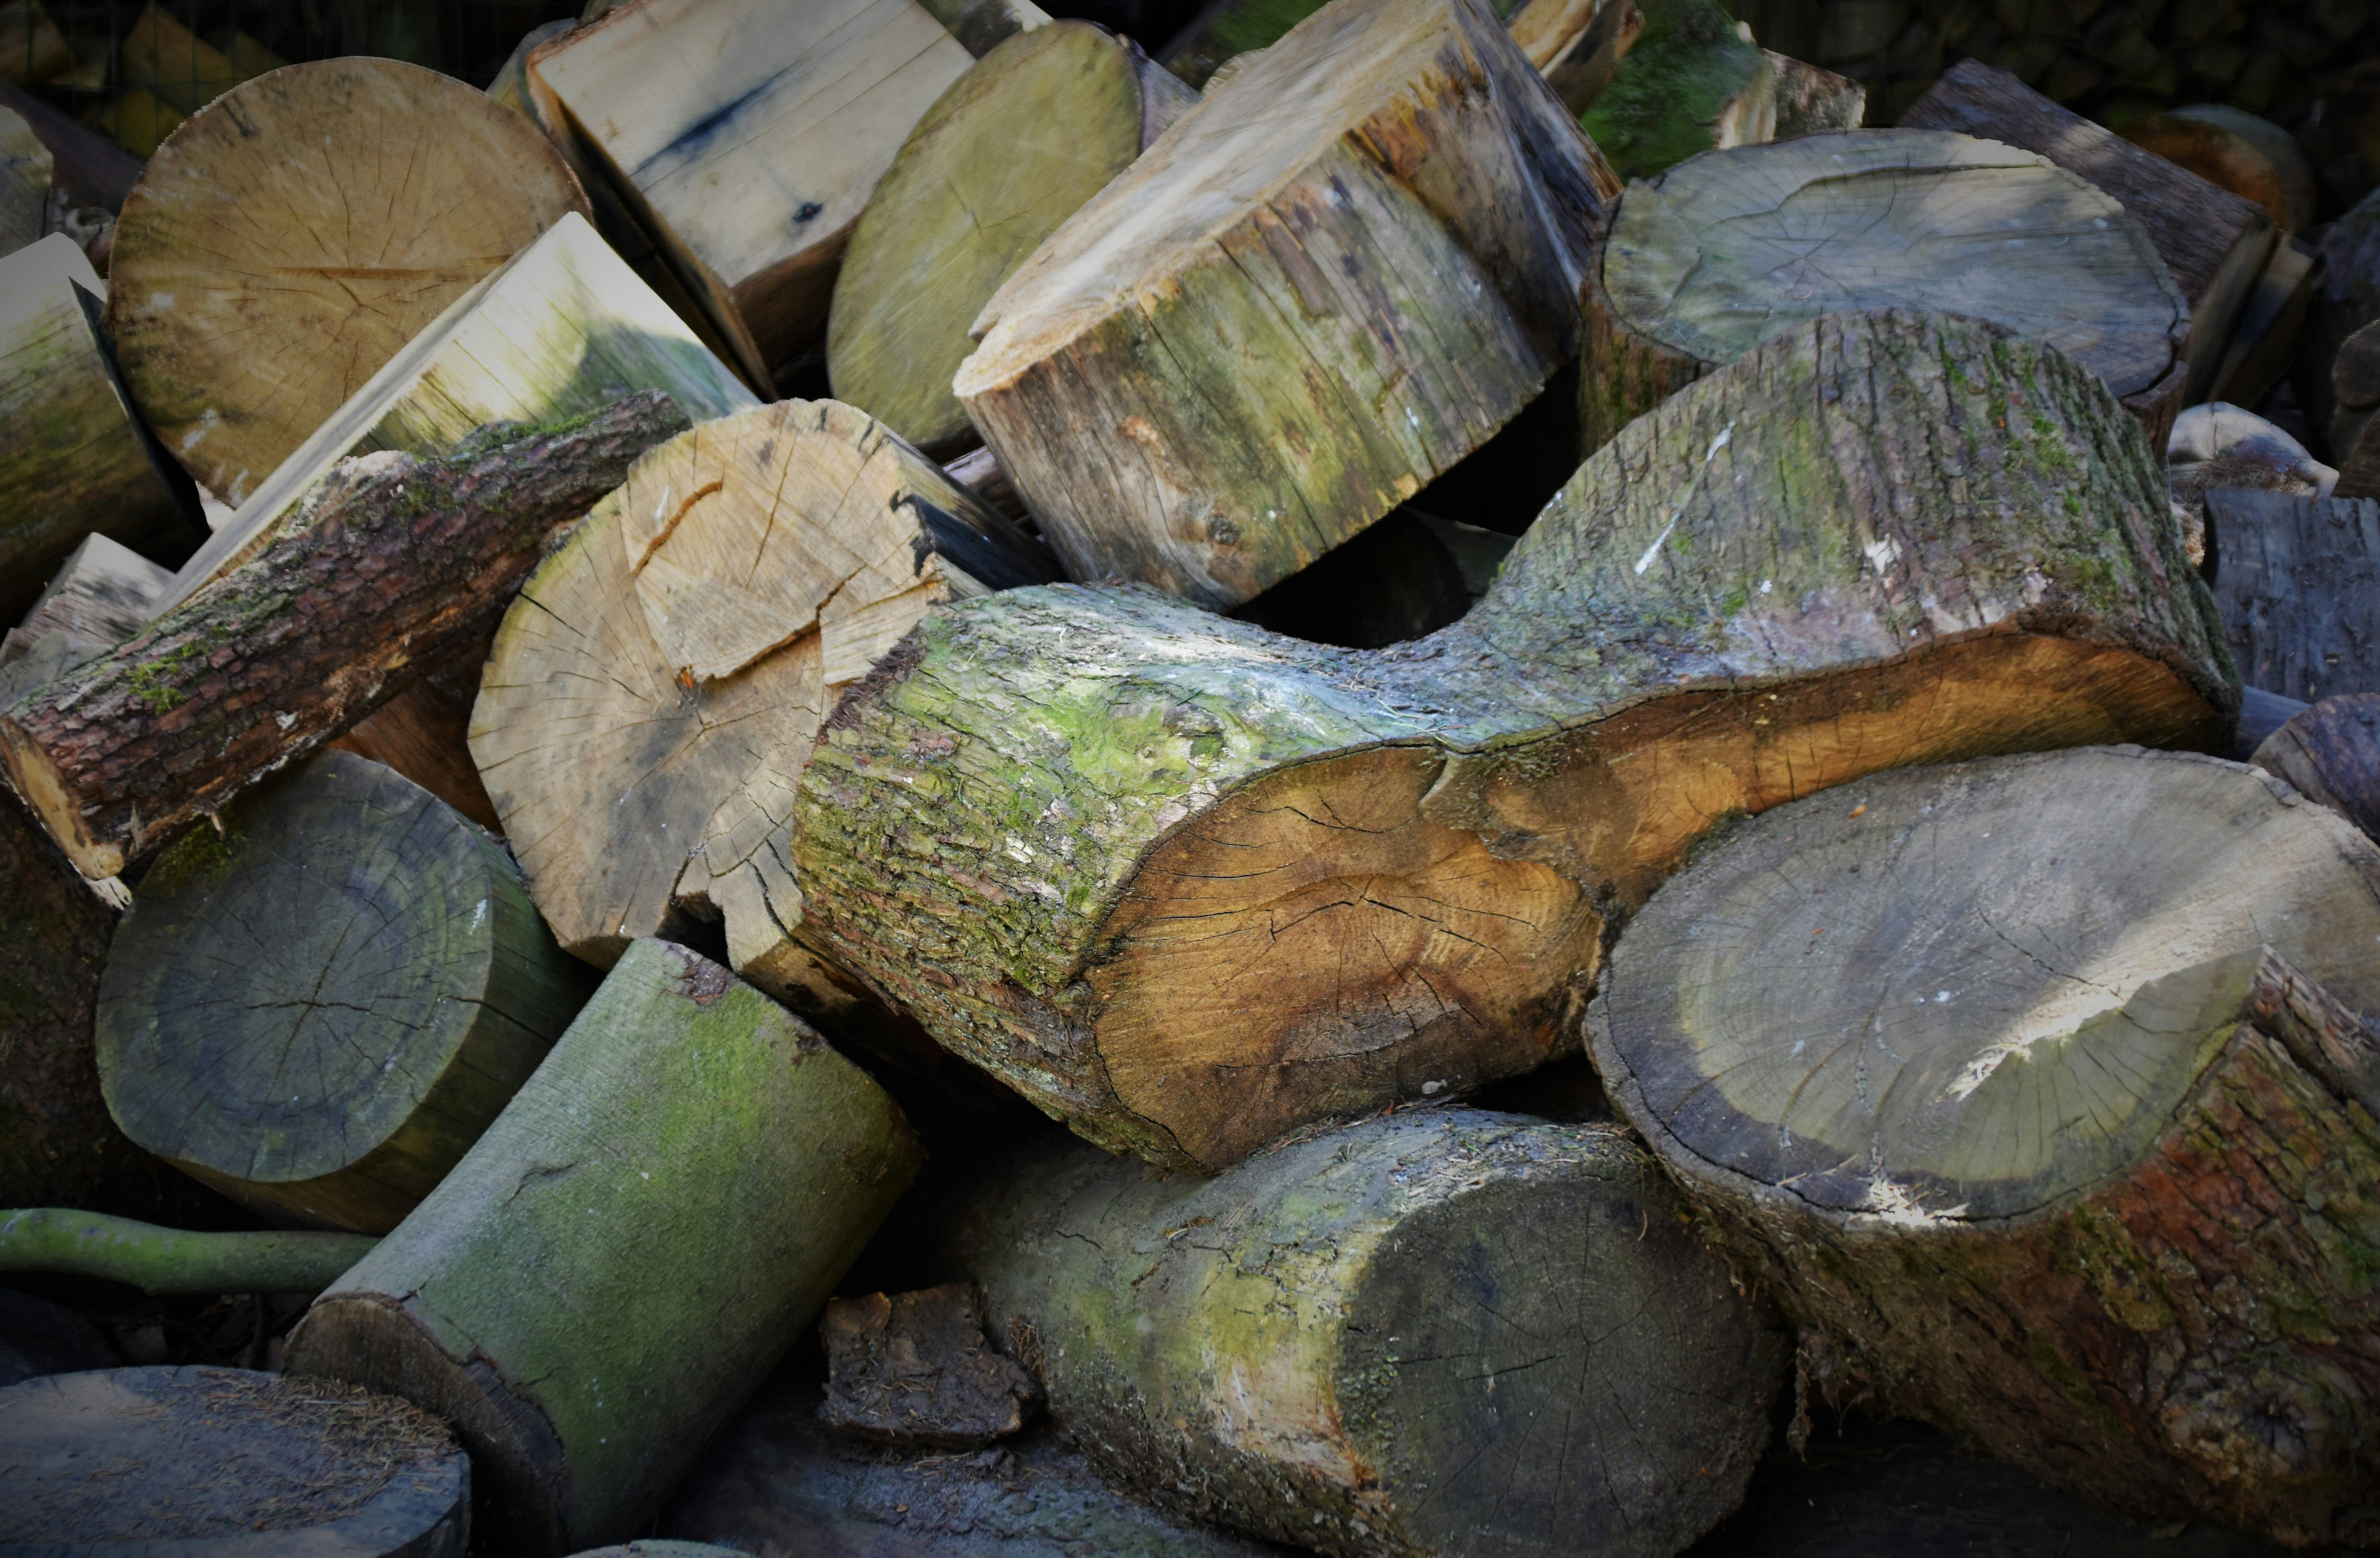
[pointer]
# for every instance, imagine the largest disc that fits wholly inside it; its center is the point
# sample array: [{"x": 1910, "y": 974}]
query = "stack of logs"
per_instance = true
[{"x": 612, "y": 676}]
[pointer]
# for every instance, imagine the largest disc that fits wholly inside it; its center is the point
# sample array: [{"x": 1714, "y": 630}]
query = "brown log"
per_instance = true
[
  {"x": 424, "y": 732},
  {"x": 2331, "y": 752},
  {"x": 397, "y": 563},
  {"x": 913, "y": 1369},
  {"x": 2234, "y": 150}
]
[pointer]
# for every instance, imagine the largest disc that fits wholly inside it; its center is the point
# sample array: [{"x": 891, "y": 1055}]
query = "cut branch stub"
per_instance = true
[
  {"x": 1728, "y": 248},
  {"x": 2033, "y": 1087},
  {"x": 1338, "y": 274},
  {"x": 654, "y": 692},
  {"x": 1188, "y": 884}
]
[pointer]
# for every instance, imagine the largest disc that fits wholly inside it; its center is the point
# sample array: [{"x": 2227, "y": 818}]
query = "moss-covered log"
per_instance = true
[
  {"x": 1188, "y": 884},
  {"x": 1691, "y": 82},
  {"x": 1731, "y": 247},
  {"x": 2036, "y": 1091},
  {"x": 398, "y": 563},
  {"x": 158, "y": 1261},
  {"x": 1338, "y": 274},
  {"x": 628, "y": 1251},
  {"x": 1451, "y": 1333}
]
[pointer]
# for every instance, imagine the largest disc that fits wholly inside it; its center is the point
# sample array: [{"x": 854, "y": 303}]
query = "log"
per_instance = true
[
  {"x": 2032, "y": 1088},
  {"x": 651, "y": 698},
  {"x": 1033, "y": 130},
  {"x": 101, "y": 596},
  {"x": 1187, "y": 886},
  {"x": 2296, "y": 589},
  {"x": 317, "y": 1006},
  {"x": 747, "y": 137},
  {"x": 1576, "y": 44},
  {"x": 2220, "y": 446},
  {"x": 146, "y": 1462},
  {"x": 73, "y": 459},
  {"x": 1691, "y": 83},
  {"x": 2234, "y": 150},
  {"x": 139, "y": 121},
  {"x": 559, "y": 331},
  {"x": 395, "y": 564},
  {"x": 171, "y": 1261},
  {"x": 2213, "y": 241},
  {"x": 981, "y": 26},
  {"x": 2346, "y": 298},
  {"x": 1385, "y": 277},
  {"x": 26, "y": 167},
  {"x": 511, "y": 86},
  {"x": 620, "y": 1261},
  {"x": 93, "y": 170},
  {"x": 424, "y": 732},
  {"x": 182, "y": 69},
  {"x": 1361, "y": 1344},
  {"x": 1731, "y": 246},
  {"x": 914, "y": 1369},
  {"x": 296, "y": 233},
  {"x": 2265, "y": 340},
  {"x": 2331, "y": 753},
  {"x": 33, "y": 50}
]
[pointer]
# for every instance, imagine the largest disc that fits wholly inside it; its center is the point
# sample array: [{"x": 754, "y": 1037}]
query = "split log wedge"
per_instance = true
[
  {"x": 625, "y": 1254},
  {"x": 1731, "y": 246},
  {"x": 170, "y": 1260},
  {"x": 1442, "y": 1332},
  {"x": 2299, "y": 588},
  {"x": 394, "y": 563},
  {"x": 1036, "y": 128},
  {"x": 651, "y": 700},
  {"x": 1690, "y": 82},
  {"x": 26, "y": 167},
  {"x": 1188, "y": 886},
  {"x": 318, "y": 1008},
  {"x": 297, "y": 232},
  {"x": 1338, "y": 274},
  {"x": 2035, "y": 1088}
]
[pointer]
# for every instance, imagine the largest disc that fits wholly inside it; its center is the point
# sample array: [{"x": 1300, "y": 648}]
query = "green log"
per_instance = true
[
  {"x": 166, "y": 1261},
  {"x": 1691, "y": 82}
]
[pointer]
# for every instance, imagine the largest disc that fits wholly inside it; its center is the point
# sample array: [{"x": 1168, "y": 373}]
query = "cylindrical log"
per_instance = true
[
  {"x": 399, "y": 563},
  {"x": 627, "y": 1252},
  {"x": 1690, "y": 82},
  {"x": 2331, "y": 752},
  {"x": 90, "y": 169},
  {"x": 2234, "y": 150},
  {"x": 1448, "y": 1333},
  {"x": 2294, "y": 586},
  {"x": 2035, "y": 1089},
  {"x": 1731, "y": 247},
  {"x": 1338, "y": 274},
  {"x": 318, "y": 1005},
  {"x": 1188, "y": 884},
  {"x": 1039, "y": 125},
  {"x": 294, "y": 233},
  {"x": 654, "y": 694},
  {"x": 156, "y": 1259}
]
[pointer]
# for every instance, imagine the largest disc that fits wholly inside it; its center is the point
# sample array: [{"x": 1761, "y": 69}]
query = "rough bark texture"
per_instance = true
[
  {"x": 1440, "y": 1333},
  {"x": 1334, "y": 277},
  {"x": 225, "y": 1461},
  {"x": 396, "y": 563},
  {"x": 2034, "y": 1089},
  {"x": 2213, "y": 242},
  {"x": 297, "y": 233},
  {"x": 318, "y": 1005},
  {"x": 1689, "y": 82},
  {"x": 628, "y": 1251},
  {"x": 2331, "y": 753},
  {"x": 154, "y": 1260},
  {"x": 915, "y": 1369},
  {"x": 2296, "y": 587},
  {"x": 1729, "y": 248},
  {"x": 1187, "y": 885}
]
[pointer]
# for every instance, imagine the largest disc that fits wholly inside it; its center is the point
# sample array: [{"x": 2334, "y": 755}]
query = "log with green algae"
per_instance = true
[
  {"x": 1692, "y": 81},
  {"x": 173, "y": 1260},
  {"x": 1187, "y": 885}
]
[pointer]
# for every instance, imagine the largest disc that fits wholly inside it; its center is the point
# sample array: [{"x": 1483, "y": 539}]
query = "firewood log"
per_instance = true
[
  {"x": 1188, "y": 886},
  {"x": 747, "y": 135},
  {"x": 1364, "y": 1343},
  {"x": 73, "y": 459},
  {"x": 1036, "y": 128},
  {"x": 1691, "y": 83},
  {"x": 1730, "y": 247},
  {"x": 101, "y": 596},
  {"x": 225, "y": 1462},
  {"x": 26, "y": 167},
  {"x": 2296, "y": 590},
  {"x": 2034, "y": 1089},
  {"x": 93, "y": 170},
  {"x": 2214, "y": 241},
  {"x": 2265, "y": 340},
  {"x": 2234, "y": 150},
  {"x": 398, "y": 563},
  {"x": 2355, "y": 388},
  {"x": 1576, "y": 44},
  {"x": 651, "y": 698},
  {"x": 184, "y": 71},
  {"x": 171, "y": 1261},
  {"x": 139, "y": 121},
  {"x": 297, "y": 233},
  {"x": 424, "y": 732},
  {"x": 319, "y": 1008},
  {"x": 33, "y": 50},
  {"x": 2346, "y": 298},
  {"x": 1335, "y": 276},
  {"x": 981, "y": 26},
  {"x": 628, "y": 1250},
  {"x": 511, "y": 84},
  {"x": 560, "y": 329},
  {"x": 916, "y": 1370},
  {"x": 2331, "y": 753}
]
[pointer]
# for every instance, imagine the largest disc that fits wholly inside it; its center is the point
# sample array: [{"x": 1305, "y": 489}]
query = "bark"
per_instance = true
[
  {"x": 25, "y": 171},
  {"x": 1720, "y": 251},
  {"x": 915, "y": 1369},
  {"x": 2034, "y": 1089},
  {"x": 225, "y": 1461},
  {"x": 1341, "y": 271},
  {"x": 398, "y": 563},
  {"x": 679, "y": 1247},
  {"x": 2331, "y": 752},
  {"x": 296, "y": 233},
  {"x": 2213, "y": 241},
  {"x": 1187, "y": 885},
  {"x": 317, "y": 1006},
  {"x": 1689, "y": 83},
  {"x": 1364, "y": 1343},
  {"x": 1005, "y": 155},
  {"x": 166, "y": 1260},
  {"x": 2296, "y": 590}
]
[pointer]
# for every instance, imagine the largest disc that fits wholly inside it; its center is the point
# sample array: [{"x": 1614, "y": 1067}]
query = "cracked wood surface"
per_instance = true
[
  {"x": 1338, "y": 274},
  {"x": 2037, "y": 1089},
  {"x": 1444, "y": 1332},
  {"x": 1188, "y": 884},
  {"x": 622, "y": 1257},
  {"x": 317, "y": 1006},
  {"x": 294, "y": 233}
]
